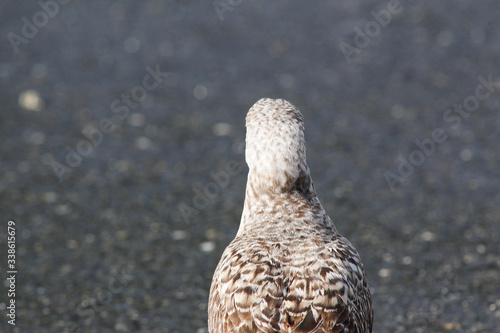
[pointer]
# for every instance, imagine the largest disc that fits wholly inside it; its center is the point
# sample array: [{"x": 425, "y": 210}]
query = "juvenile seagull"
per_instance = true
[{"x": 288, "y": 269}]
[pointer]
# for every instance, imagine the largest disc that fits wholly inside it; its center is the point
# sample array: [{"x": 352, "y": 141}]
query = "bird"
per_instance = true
[{"x": 287, "y": 269}]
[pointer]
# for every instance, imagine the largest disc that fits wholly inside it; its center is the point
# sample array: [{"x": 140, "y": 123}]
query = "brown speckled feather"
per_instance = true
[{"x": 287, "y": 270}]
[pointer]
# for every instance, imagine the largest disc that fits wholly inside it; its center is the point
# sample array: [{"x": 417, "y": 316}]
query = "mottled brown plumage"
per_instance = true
[{"x": 287, "y": 270}]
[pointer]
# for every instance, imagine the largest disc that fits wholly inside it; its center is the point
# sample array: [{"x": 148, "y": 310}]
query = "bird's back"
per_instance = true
[{"x": 277, "y": 283}]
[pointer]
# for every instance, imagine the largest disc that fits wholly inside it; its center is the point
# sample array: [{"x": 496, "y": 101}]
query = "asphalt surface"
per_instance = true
[{"x": 120, "y": 121}]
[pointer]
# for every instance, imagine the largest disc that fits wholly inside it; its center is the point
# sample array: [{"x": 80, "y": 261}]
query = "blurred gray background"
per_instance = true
[{"x": 122, "y": 156}]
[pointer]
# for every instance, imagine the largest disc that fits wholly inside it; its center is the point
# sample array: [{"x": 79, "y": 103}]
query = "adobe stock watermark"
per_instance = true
[
  {"x": 223, "y": 6},
  {"x": 450, "y": 292},
  {"x": 453, "y": 118},
  {"x": 95, "y": 135},
  {"x": 372, "y": 29},
  {"x": 205, "y": 194},
  {"x": 87, "y": 309},
  {"x": 30, "y": 28}
]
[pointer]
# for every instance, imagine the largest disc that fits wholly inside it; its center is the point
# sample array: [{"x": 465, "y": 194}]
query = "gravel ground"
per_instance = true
[{"x": 121, "y": 118}]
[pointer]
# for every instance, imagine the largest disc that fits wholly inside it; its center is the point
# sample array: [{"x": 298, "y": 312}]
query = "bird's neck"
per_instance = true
[{"x": 269, "y": 201}]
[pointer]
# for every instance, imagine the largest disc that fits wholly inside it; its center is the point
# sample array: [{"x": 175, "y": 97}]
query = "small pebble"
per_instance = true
[
  {"x": 30, "y": 100},
  {"x": 207, "y": 246},
  {"x": 179, "y": 235}
]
